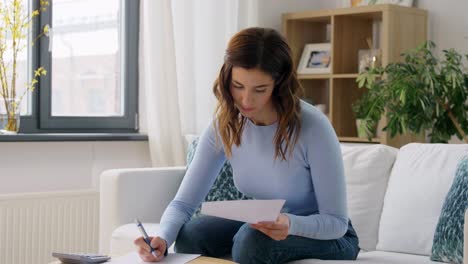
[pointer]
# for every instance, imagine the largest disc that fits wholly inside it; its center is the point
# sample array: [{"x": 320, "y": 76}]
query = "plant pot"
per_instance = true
[
  {"x": 9, "y": 116},
  {"x": 363, "y": 131}
]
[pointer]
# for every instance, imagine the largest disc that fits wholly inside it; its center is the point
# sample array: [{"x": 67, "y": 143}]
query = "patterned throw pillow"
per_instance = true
[
  {"x": 448, "y": 237},
  {"x": 223, "y": 188}
]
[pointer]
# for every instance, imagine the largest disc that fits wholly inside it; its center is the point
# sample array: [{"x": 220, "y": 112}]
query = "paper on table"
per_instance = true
[
  {"x": 249, "y": 211},
  {"x": 133, "y": 258}
]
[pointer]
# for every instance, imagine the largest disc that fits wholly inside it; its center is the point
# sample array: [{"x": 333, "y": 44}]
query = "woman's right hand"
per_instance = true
[{"x": 144, "y": 251}]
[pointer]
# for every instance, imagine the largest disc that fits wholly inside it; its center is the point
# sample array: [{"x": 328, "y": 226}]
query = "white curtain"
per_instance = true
[{"x": 182, "y": 45}]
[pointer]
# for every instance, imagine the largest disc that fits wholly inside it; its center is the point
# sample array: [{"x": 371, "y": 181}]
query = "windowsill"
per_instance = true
[{"x": 74, "y": 137}]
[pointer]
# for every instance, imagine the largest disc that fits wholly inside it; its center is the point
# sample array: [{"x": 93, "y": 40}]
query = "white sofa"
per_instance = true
[{"x": 394, "y": 200}]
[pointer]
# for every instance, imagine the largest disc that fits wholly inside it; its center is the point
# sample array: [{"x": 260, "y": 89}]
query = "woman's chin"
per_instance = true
[{"x": 246, "y": 114}]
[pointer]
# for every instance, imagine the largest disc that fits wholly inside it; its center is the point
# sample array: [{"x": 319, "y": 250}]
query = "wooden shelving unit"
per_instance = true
[{"x": 395, "y": 29}]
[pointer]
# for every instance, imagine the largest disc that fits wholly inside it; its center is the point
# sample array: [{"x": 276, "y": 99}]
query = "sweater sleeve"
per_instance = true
[
  {"x": 200, "y": 176},
  {"x": 327, "y": 173}
]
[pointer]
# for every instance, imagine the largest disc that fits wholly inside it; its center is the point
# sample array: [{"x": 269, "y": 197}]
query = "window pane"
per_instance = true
[{"x": 86, "y": 58}]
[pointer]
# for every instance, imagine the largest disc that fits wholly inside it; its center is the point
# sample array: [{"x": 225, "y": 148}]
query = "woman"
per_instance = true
[{"x": 280, "y": 148}]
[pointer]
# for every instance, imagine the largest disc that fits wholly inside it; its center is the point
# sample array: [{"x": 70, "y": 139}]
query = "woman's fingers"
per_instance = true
[
  {"x": 269, "y": 225},
  {"x": 275, "y": 233},
  {"x": 140, "y": 243},
  {"x": 141, "y": 251},
  {"x": 160, "y": 256},
  {"x": 146, "y": 255},
  {"x": 159, "y": 245},
  {"x": 144, "y": 251}
]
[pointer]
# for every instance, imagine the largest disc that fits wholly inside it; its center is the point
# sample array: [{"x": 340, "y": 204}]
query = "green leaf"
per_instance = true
[
  {"x": 361, "y": 79},
  {"x": 403, "y": 96},
  {"x": 422, "y": 105}
]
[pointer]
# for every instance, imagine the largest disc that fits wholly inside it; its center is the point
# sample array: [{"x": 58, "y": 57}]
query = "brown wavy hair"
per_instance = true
[{"x": 267, "y": 50}]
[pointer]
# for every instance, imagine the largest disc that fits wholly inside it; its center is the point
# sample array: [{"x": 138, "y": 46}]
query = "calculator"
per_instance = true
[{"x": 80, "y": 258}]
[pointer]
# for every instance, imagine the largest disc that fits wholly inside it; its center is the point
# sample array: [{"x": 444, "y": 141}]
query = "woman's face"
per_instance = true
[{"x": 251, "y": 90}]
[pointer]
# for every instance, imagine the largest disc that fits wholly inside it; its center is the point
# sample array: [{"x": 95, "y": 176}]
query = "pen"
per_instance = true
[{"x": 145, "y": 237}]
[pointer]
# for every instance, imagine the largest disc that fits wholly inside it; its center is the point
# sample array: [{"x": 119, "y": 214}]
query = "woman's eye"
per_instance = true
[{"x": 260, "y": 91}]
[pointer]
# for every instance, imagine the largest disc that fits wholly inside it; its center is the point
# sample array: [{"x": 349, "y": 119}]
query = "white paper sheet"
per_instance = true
[
  {"x": 249, "y": 211},
  {"x": 171, "y": 258}
]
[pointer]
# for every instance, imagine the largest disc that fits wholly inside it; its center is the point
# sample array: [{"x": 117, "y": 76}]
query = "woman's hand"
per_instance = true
[
  {"x": 144, "y": 250},
  {"x": 276, "y": 230}
]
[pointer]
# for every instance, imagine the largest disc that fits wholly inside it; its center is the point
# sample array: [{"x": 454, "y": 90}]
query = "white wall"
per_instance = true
[
  {"x": 52, "y": 166},
  {"x": 448, "y": 23},
  {"x": 269, "y": 11}
]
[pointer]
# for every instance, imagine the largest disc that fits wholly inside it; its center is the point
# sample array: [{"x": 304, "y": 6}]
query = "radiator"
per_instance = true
[{"x": 34, "y": 225}]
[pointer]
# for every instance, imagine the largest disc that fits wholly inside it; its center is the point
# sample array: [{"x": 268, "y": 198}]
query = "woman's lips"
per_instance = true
[{"x": 247, "y": 109}]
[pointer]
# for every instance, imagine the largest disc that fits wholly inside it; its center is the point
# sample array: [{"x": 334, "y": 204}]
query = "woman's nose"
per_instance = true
[{"x": 247, "y": 99}]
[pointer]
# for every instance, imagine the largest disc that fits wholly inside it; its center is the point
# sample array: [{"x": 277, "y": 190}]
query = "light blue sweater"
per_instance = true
[{"x": 311, "y": 181}]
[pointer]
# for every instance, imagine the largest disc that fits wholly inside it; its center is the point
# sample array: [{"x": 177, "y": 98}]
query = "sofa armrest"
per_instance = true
[{"x": 126, "y": 194}]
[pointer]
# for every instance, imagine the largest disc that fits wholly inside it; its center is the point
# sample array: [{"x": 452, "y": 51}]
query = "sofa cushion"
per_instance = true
[
  {"x": 367, "y": 169},
  {"x": 374, "y": 257},
  {"x": 123, "y": 237},
  {"x": 418, "y": 184},
  {"x": 448, "y": 239},
  {"x": 223, "y": 188}
]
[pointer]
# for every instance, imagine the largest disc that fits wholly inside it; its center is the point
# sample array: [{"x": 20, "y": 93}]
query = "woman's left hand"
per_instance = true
[{"x": 276, "y": 230}]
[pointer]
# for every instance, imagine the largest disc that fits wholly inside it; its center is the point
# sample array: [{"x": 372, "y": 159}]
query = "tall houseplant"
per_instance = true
[
  {"x": 365, "y": 123},
  {"x": 418, "y": 94},
  {"x": 15, "y": 22}
]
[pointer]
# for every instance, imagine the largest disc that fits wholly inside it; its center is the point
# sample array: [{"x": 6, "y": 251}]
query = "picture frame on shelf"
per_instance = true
[{"x": 315, "y": 59}]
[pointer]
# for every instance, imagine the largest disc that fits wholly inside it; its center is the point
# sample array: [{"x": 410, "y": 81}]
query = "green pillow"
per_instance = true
[
  {"x": 223, "y": 188},
  {"x": 448, "y": 238}
]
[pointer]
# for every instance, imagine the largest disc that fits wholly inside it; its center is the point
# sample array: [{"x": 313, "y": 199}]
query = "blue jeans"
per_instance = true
[{"x": 218, "y": 237}]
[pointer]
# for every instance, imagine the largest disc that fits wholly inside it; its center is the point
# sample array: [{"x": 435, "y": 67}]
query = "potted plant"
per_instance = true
[
  {"x": 366, "y": 126},
  {"x": 13, "y": 39},
  {"x": 418, "y": 94}
]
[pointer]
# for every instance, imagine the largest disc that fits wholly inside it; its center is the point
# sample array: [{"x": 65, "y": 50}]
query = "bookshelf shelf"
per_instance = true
[{"x": 392, "y": 28}]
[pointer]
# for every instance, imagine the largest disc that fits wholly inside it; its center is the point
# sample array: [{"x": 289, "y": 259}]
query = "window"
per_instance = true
[{"x": 91, "y": 58}]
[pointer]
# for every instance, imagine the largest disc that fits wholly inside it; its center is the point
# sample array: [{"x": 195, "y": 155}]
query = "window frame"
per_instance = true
[{"x": 41, "y": 120}]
